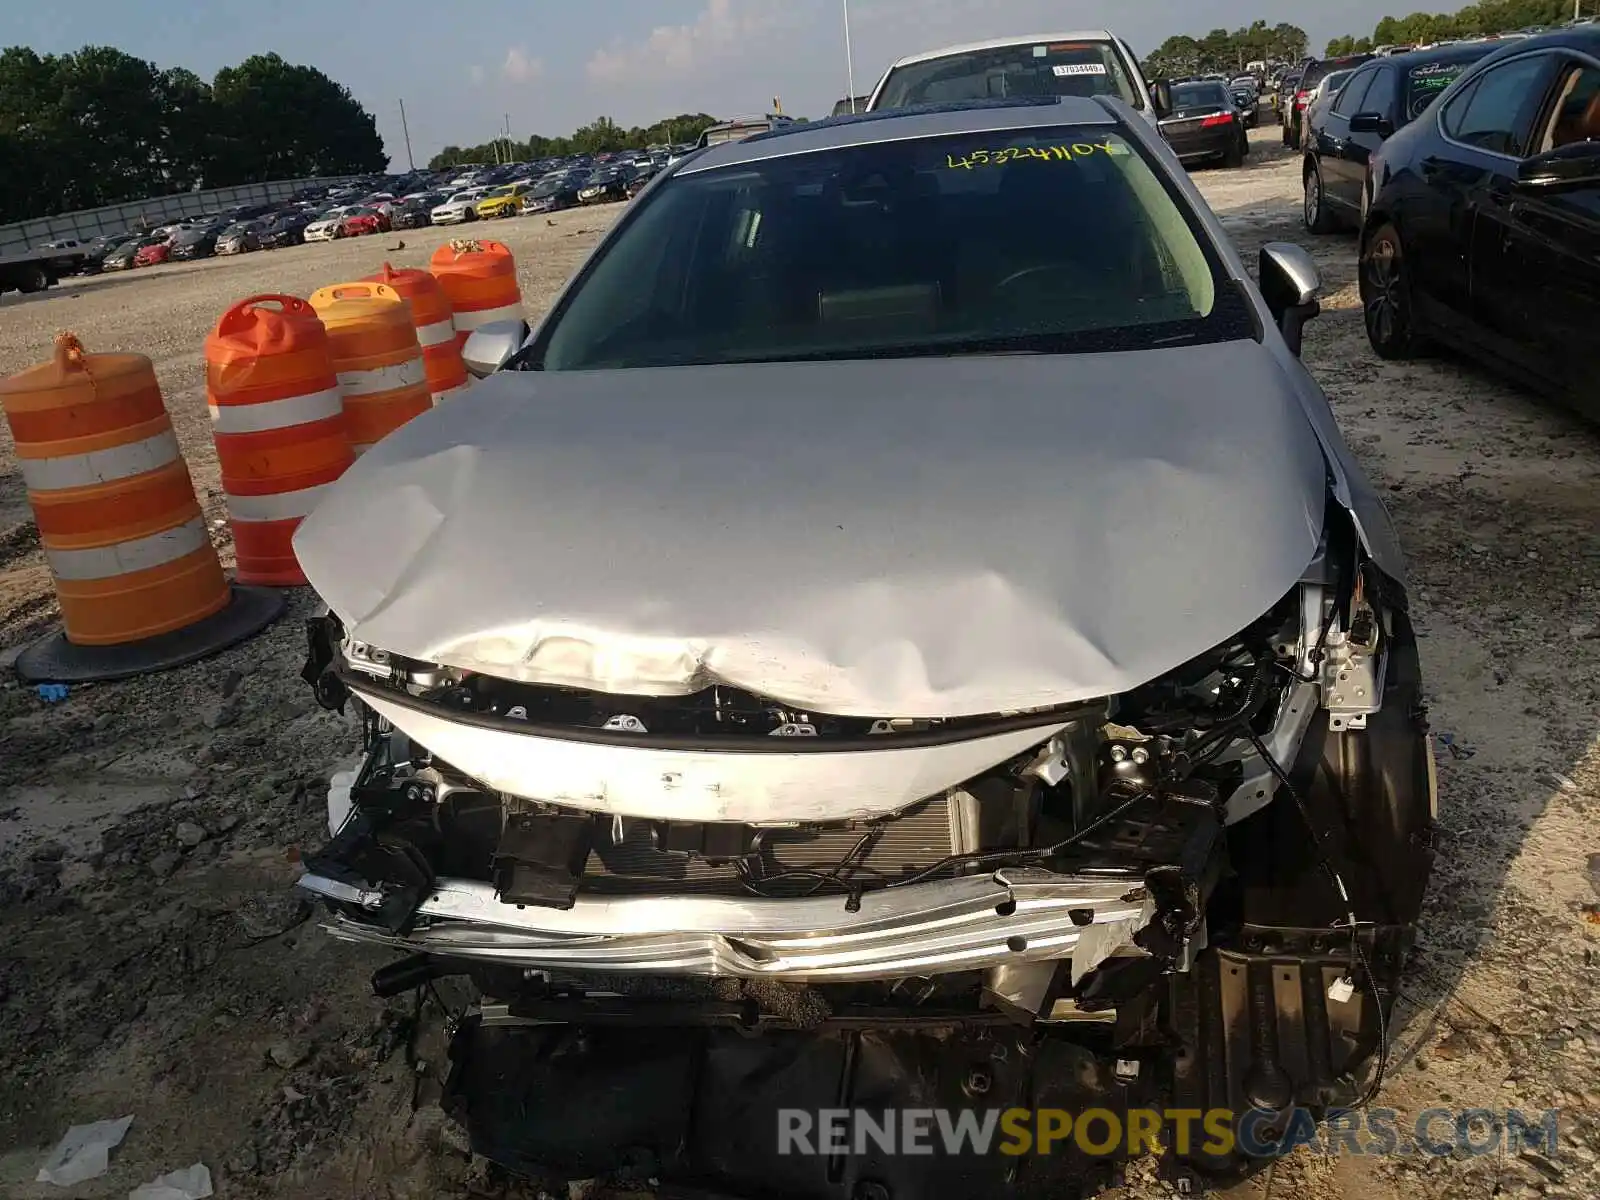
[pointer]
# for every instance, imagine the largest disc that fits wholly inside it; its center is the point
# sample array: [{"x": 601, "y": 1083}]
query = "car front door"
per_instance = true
[
  {"x": 1536, "y": 278},
  {"x": 1331, "y": 136},
  {"x": 1381, "y": 100},
  {"x": 1482, "y": 131}
]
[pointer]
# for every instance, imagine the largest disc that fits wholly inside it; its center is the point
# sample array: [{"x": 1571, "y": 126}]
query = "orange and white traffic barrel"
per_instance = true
[
  {"x": 138, "y": 581},
  {"x": 480, "y": 279},
  {"x": 277, "y": 417},
  {"x": 377, "y": 358},
  {"x": 431, "y": 314},
  {"x": 111, "y": 495}
]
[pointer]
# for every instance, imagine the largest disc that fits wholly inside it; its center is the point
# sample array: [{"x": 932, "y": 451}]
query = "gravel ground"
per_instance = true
[{"x": 153, "y": 961}]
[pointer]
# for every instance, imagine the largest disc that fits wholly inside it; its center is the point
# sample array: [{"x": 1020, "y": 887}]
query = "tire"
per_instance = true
[
  {"x": 1387, "y": 308},
  {"x": 1234, "y": 156},
  {"x": 33, "y": 279},
  {"x": 1315, "y": 210}
]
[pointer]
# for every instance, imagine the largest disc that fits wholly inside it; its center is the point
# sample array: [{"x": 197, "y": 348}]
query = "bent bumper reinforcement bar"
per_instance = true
[{"x": 947, "y": 925}]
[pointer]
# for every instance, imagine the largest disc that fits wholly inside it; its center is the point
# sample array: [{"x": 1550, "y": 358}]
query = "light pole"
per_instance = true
[
  {"x": 410, "y": 162},
  {"x": 849, "y": 57}
]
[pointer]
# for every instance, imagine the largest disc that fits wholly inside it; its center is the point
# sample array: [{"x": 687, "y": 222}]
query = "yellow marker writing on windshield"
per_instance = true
[{"x": 995, "y": 158}]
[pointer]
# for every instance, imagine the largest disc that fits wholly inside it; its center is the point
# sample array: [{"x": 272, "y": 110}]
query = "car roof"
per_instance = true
[
  {"x": 1015, "y": 114},
  {"x": 1466, "y": 51},
  {"x": 1081, "y": 35}
]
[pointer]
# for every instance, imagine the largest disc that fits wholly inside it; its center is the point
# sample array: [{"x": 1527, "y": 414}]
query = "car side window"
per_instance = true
[
  {"x": 1381, "y": 96},
  {"x": 1575, "y": 115},
  {"x": 1351, "y": 95},
  {"x": 1499, "y": 112}
]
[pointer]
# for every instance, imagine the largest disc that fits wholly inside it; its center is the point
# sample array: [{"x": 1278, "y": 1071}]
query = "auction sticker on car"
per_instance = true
[
  {"x": 1079, "y": 69},
  {"x": 1071, "y": 153}
]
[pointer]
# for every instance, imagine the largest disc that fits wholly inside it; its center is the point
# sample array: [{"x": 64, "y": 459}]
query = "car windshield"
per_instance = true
[
  {"x": 509, "y": 189},
  {"x": 1054, "y": 240},
  {"x": 1426, "y": 80},
  {"x": 1200, "y": 95},
  {"x": 1027, "y": 69},
  {"x": 548, "y": 188}
]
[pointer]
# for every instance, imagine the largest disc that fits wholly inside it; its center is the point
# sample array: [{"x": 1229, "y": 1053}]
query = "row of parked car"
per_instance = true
[
  {"x": 377, "y": 205},
  {"x": 1471, "y": 173}
]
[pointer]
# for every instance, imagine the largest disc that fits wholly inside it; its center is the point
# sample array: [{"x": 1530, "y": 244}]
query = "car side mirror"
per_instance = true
[
  {"x": 1371, "y": 122},
  {"x": 1575, "y": 164},
  {"x": 491, "y": 346},
  {"x": 1161, "y": 95},
  {"x": 1289, "y": 284}
]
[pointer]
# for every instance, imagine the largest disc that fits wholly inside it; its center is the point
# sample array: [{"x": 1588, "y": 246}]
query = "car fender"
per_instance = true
[{"x": 1347, "y": 482}]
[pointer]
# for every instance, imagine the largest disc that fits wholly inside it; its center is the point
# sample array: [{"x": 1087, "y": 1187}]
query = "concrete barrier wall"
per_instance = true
[{"x": 114, "y": 218}]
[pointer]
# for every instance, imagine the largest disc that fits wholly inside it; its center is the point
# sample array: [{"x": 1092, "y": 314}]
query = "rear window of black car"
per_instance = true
[
  {"x": 1198, "y": 95},
  {"x": 1318, "y": 71},
  {"x": 1426, "y": 80}
]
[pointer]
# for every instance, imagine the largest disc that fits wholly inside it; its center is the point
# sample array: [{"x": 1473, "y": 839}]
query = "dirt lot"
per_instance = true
[{"x": 153, "y": 961}]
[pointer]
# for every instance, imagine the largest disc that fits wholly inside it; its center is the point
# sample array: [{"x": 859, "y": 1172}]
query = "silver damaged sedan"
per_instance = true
[{"x": 903, "y": 629}]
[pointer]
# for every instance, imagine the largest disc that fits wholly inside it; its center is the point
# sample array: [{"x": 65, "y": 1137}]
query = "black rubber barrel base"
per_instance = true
[{"x": 53, "y": 659}]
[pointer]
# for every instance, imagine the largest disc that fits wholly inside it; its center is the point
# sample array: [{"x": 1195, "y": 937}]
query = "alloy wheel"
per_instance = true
[{"x": 1386, "y": 297}]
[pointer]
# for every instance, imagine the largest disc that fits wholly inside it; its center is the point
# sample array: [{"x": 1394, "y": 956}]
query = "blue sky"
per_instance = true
[{"x": 554, "y": 64}]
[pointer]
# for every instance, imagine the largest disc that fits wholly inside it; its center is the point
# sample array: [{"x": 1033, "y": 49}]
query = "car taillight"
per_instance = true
[
  {"x": 1300, "y": 99},
  {"x": 1218, "y": 119}
]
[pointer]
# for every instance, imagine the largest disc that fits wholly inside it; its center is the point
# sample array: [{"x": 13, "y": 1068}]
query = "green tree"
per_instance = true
[
  {"x": 288, "y": 122},
  {"x": 599, "y": 136},
  {"x": 101, "y": 127},
  {"x": 1475, "y": 20},
  {"x": 1226, "y": 51},
  {"x": 1347, "y": 45},
  {"x": 188, "y": 128}
]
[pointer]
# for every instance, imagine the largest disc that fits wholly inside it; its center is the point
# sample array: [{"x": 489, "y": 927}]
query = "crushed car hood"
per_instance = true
[{"x": 906, "y": 538}]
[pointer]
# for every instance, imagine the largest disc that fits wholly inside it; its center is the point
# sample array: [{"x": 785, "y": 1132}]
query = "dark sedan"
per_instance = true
[
  {"x": 1248, "y": 102},
  {"x": 606, "y": 185},
  {"x": 1483, "y": 232},
  {"x": 1204, "y": 125},
  {"x": 1342, "y": 136},
  {"x": 199, "y": 242},
  {"x": 411, "y": 214},
  {"x": 285, "y": 229},
  {"x": 552, "y": 195}
]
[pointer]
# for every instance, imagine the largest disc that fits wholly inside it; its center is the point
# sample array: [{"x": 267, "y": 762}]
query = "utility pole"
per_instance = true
[
  {"x": 849, "y": 57},
  {"x": 410, "y": 162}
]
